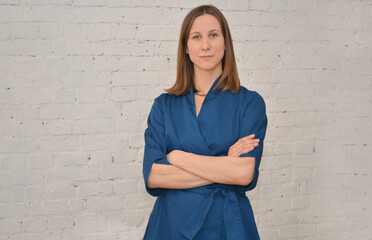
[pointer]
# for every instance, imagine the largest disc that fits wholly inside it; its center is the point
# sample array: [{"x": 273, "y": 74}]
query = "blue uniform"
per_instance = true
[{"x": 215, "y": 211}]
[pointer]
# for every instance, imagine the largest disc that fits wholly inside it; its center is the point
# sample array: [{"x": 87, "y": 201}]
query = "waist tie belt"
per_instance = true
[{"x": 231, "y": 215}]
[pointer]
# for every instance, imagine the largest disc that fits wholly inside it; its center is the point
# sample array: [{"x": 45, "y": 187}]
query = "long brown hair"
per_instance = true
[{"x": 185, "y": 68}]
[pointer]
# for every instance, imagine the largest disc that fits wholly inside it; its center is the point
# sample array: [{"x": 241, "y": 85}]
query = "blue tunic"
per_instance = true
[{"x": 216, "y": 211}]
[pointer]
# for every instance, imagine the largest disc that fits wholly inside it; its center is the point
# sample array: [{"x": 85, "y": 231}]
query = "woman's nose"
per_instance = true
[{"x": 205, "y": 44}]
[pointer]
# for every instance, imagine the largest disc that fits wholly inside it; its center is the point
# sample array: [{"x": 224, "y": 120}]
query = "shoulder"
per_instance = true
[
  {"x": 160, "y": 99},
  {"x": 164, "y": 99},
  {"x": 251, "y": 98},
  {"x": 164, "y": 96},
  {"x": 157, "y": 105}
]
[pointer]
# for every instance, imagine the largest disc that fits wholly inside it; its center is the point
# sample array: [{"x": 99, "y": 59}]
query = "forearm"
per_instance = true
[
  {"x": 219, "y": 169},
  {"x": 173, "y": 177}
]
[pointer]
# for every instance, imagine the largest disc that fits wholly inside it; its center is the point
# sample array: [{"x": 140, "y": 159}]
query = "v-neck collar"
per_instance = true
[{"x": 211, "y": 94}]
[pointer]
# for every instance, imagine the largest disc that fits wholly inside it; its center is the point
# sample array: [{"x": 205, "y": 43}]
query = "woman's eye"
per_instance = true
[
  {"x": 213, "y": 35},
  {"x": 196, "y": 37}
]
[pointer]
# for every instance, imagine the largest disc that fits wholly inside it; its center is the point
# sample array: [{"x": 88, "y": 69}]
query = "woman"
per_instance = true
[{"x": 204, "y": 140}]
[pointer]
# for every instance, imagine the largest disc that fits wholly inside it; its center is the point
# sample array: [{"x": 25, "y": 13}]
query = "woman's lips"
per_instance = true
[{"x": 205, "y": 57}]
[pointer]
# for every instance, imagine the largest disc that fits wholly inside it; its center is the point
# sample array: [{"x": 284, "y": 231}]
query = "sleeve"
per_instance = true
[
  {"x": 155, "y": 147},
  {"x": 254, "y": 122}
]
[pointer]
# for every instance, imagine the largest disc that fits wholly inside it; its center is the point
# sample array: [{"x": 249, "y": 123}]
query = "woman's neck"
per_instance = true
[{"x": 205, "y": 79}]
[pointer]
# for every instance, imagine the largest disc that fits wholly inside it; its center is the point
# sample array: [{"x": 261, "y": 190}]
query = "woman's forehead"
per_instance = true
[{"x": 205, "y": 23}]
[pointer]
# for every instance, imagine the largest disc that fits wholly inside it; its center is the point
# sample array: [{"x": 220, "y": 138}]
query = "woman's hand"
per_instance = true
[
  {"x": 173, "y": 155},
  {"x": 243, "y": 145}
]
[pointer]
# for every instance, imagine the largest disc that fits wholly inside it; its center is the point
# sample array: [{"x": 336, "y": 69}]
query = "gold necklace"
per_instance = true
[{"x": 201, "y": 94}]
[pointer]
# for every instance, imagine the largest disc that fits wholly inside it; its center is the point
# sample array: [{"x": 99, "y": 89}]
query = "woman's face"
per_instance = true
[{"x": 205, "y": 44}]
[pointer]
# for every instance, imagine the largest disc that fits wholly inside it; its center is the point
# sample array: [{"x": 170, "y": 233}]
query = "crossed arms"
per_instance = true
[{"x": 189, "y": 170}]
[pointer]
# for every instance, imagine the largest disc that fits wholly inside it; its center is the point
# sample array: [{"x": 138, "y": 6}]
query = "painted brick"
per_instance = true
[{"x": 78, "y": 79}]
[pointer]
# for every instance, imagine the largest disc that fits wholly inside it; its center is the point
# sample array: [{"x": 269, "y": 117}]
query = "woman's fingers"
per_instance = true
[
  {"x": 249, "y": 138},
  {"x": 246, "y": 137},
  {"x": 244, "y": 145}
]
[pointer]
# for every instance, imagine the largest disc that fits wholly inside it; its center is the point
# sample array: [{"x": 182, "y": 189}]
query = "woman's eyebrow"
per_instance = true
[{"x": 209, "y": 31}]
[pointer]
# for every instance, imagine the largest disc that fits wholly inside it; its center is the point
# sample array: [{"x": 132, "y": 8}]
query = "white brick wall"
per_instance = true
[{"x": 77, "y": 80}]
